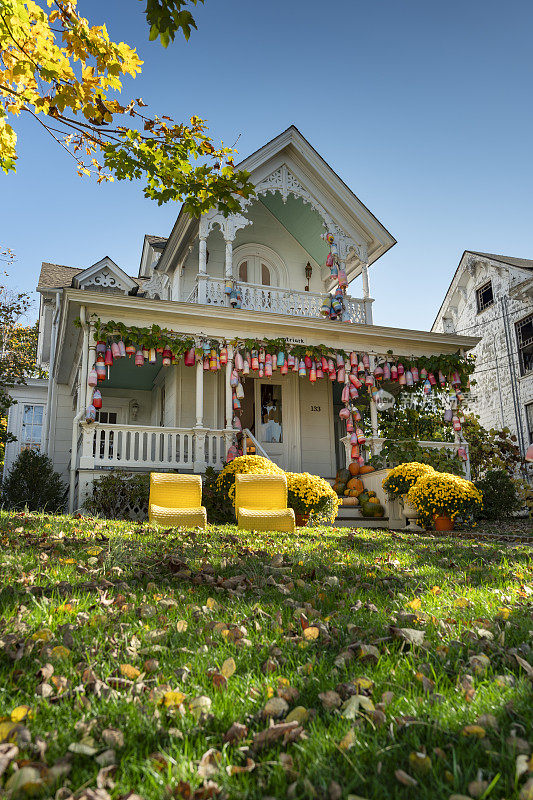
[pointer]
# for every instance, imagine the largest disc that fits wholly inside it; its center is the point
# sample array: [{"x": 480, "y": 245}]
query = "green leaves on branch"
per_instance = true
[{"x": 167, "y": 17}]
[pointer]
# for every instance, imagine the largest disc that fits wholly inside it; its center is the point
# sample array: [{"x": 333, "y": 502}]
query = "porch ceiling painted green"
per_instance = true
[
  {"x": 125, "y": 375},
  {"x": 302, "y": 222}
]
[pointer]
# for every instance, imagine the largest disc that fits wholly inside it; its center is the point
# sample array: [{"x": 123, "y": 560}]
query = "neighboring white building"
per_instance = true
[
  {"x": 181, "y": 417},
  {"x": 491, "y": 296}
]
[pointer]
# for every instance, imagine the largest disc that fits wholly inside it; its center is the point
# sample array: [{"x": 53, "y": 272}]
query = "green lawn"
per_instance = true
[{"x": 153, "y": 663}]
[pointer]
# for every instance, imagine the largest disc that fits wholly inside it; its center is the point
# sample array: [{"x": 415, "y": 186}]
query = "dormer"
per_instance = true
[
  {"x": 153, "y": 246},
  {"x": 105, "y": 276}
]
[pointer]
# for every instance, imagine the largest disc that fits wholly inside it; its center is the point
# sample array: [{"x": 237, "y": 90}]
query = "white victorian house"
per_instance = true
[{"x": 273, "y": 255}]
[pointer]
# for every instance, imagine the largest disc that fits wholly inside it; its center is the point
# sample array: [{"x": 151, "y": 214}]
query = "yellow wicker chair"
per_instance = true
[
  {"x": 261, "y": 503},
  {"x": 176, "y": 500}
]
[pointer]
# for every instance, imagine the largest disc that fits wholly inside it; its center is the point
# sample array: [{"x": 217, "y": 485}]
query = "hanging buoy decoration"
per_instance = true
[
  {"x": 268, "y": 367},
  {"x": 224, "y": 355},
  {"x": 401, "y": 369},
  {"x": 456, "y": 424},
  {"x": 115, "y": 350},
  {"x": 461, "y": 452},
  {"x": 152, "y": 357},
  {"x": 167, "y": 357},
  {"x": 237, "y": 423},
  {"x": 402, "y": 380},
  {"x": 284, "y": 368},
  {"x": 427, "y": 386},
  {"x": 349, "y": 425},
  {"x": 255, "y": 361},
  {"x": 232, "y": 453},
  {"x": 301, "y": 369},
  {"x": 90, "y": 413},
  {"x": 325, "y": 309},
  {"x": 341, "y": 374},
  {"x": 100, "y": 348},
  {"x": 92, "y": 378},
  {"x": 432, "y": 380},
  {"x": 319, "y": 370},
  {"x": 236, "y": 404},
  {"x": 456, "y": 380},
  {"x": 312, "y": 373},
  {"x": 238, "y": 360},
  {"x": 121, "y": 349},
  {"x": 344, "y": 413},
  {"x": 205, "y": 363},
  {"x": 280, "y": 358},
  {"x": 146, "y": 353},
  {"x": 234, "y": 378},
  {"x": 139, "y": 358},
  {"x": 353, "y": 392},
  {"x": 366, "y": 362},
  {"x": 245, "y": 367},
  {"x": 414, "y": 373},
  {"x": 409, "y": 380},
  {"x": 130, "y": 350},
  {"x": 442, "y": 379},
  {"x": 354, "y": 452},
  {"x": 97, "y": 398},
  {"x": 386, "y": 371},
  {"x": 190, "y": 357},
  {"x": 360, "y": 436},
  {"x": 239, "y": 390},
  {"x": 378, "y": 373},
  {"x": 108, "y": 360},
  {"x": 345, "y": 394},
  {"x": 423, "y": 374},
  {"x": 394, "y": 372}
]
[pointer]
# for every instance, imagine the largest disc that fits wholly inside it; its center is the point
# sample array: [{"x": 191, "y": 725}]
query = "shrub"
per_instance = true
[
  {"x": 443, "y": 494},
  {"x": 401, "y": 478},
  {"x": 32, "y": 483},
  {"x": 120, "y": 495},
  {"x": 310, "y": 494},
  {"x": 217, "y": 503},
  {"x": 500, "y": 497},
  {"x": 256, "y": 465}
]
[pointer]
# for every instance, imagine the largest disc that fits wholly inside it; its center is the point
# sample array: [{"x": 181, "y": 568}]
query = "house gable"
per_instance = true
[{"x": 105, "y": 276}]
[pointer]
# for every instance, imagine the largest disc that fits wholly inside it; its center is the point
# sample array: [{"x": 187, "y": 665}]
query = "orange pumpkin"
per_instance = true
[
  {"x": 373, "y": 500},
  {"x": 364, "y": 470},
  {"x": 356, "y": 484},
  {"x": 354, "y": 468},
  {"x": 353, "y": 493}
]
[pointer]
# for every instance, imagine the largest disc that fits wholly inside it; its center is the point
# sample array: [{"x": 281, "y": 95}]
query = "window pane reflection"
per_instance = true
[{"x": 271, "y": 414}]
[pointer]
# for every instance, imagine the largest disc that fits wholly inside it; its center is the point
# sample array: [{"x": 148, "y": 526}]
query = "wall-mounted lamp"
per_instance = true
[
  {"x": 308, "y": 273},
  {"x": 134, "y": 410}
]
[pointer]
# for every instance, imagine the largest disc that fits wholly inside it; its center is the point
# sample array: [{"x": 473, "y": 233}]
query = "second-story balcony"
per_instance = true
[{"x": 275, "y": 300}]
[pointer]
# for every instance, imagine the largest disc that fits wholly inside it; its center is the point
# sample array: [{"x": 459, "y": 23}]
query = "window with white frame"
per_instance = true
[
  {"x": 529, "y": 421},
  {"x": 484, "y": 296},
  {"x": 524, "y": 340},
  {"x": 32, "y": 427}
]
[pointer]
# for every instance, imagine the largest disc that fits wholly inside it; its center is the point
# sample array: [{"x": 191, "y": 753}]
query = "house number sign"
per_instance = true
[{"x": 315, "y": 408}]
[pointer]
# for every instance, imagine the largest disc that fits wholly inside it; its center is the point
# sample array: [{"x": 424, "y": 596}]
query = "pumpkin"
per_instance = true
[
  {"x": 371, "y": 494},
  {"x": 367, "y": 509},
  {"x": 354, "y": 468},
  {"x": 373, "y": 500},
  {"x": 355, "y": 483},
  {"x": 365, "y": 469},
  {"x": 346, "y": 492},
  {"x": 343, "y": 475},
  {"x": 379, "y": 511},
  {"x": 339, "y": 487},
  {"x": 353, "y": 493}
]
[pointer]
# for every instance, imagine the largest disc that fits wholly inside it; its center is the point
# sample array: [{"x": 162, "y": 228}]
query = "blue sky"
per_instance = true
[{"x": 424, "y": 109}]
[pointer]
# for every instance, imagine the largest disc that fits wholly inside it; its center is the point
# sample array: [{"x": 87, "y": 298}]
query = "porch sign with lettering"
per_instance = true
[{"x": 383, "y": 400}]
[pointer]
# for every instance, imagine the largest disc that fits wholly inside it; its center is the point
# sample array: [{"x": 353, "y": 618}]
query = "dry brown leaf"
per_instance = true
[
  {"x": 228, "y": 667},
  {"x": 404, "y": 778},
  {"x": 209, "y": 763},
  {"x": 130, "y": 672},
  {"x": 275, "y": 707},
  {"x": 236, "y": 732},
  {"x": 330, "y": 699},
  {"x": 289, "y": 731},
  {"x": 311, "y": 633},
  {"x": 233, "y": 769}
]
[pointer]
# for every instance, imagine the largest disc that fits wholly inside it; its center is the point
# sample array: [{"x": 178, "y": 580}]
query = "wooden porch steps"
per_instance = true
[{"x": 351, "y": 516}]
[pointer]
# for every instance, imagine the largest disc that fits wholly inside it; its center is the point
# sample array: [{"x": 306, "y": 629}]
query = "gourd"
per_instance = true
[
  {"x": 354, "y": 468},
  {"x": 349, "y": 501},
  {"x": 365, "y": 469},
  {"x": 379, "y": 511},
  {"x": 339, "y": 488},
  {"x": 367, "y": 509},
  {"x": 363, "y": 497},
  {"x": 353, "y": 493},
  {"x": 343, "y": 475},
  {"x": 355, "y": 483},
  {"x": 373, "y": 500}
]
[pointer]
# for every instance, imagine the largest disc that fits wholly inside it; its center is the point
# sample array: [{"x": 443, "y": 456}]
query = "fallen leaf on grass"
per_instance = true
[
  {"x": 404, "y": 778},
  {"x": 415, "y": 604},
  {"x": 200, "y": 705},
  {"x": 347, "y": 741},
  {"x": 299, "y": 714},
  {"x": 288, "y": 731},
  {"x": 234, "y": 769},
  {"x": 181, "y": 625},
  {"x": 19, "y": 713},
  {"x": 113, "y": 737},
  {"x": 209, "y": 763},
  {"x": 26, "y": 779},
  {"x": 311, "y": 633},
  {"x": 130, "y": 672},
  {"x": 330, "y": 699},
  {"x": 236, "y": 732},
  {"x": 528, "y": 669},
  {"x": 420, "y": 762},
  {"x": 474, "y": 730},
  {"x": 275, "y": 707},
  {"x": 172, "y": 699},
  {"x": 526, "y": 792},
  {"x": 60, "y": 651},
  {"x": 228, "y": 667},
  {"x": 8, "y": 752},
  {"x": 409, "y": 635}
]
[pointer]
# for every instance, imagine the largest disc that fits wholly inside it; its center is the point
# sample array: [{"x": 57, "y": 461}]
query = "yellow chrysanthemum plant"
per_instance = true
[
  {"x": 310, "y": 494},
  {"x": 403, "y": 477},
  {"x": 306, "y": 494},
  {"x": 440, "y": 494}
]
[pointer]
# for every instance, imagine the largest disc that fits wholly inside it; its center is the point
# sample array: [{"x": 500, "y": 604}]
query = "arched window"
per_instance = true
[{"x": 257, "y": 264}]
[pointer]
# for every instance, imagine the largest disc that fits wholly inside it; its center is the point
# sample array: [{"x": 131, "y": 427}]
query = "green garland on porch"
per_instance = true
[{"x": 179, "y": 343}]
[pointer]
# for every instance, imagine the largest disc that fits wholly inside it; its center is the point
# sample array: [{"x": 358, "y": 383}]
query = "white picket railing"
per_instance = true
[
  {"x": 375, "y": 445},
  {"x": 272, "y": 299},
  {"x": 107, "y": 445}
]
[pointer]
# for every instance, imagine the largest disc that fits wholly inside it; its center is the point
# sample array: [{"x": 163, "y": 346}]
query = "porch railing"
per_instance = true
[
  {"x": 273, "y": 299},
  {"x": 107, "y": 445}
]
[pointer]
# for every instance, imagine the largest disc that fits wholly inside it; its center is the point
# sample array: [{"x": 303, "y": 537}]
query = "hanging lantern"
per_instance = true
[
  {"x": 284, "y": 368},
  {"x": 432, "y": 379},
  {"x": 238, "y": 361},
  {"x": 301, "y": 369},
  {"x": 409, "y": 380},
  {"x": 167, "y": 357},
  {"x": 130, "y": 350},
  {"x": 92, "y": 378},
  {"x": 353, "y": 359},
  {"x": 312, "y": 373},
  {"x": 224, "y": 355},
  {"x": 442, "y": 379},
  {"x": 354, "y": 452},
  {"x": 268, "y": 368},
  {"x": 152, "y": 356},
  {"x": 90, "y": 413},
  {"x": 360, "y": 436},
  {"x": 344, "y": 413},
  {"x": 366, "y": 361},
  {"x": 245, "y": 367},
  {"x": 394, "y": 372},
  {"x": 427, "y": 387},
  {"x": 234, "y": 378},
  {"x": 414, "y": 373},
  {"x": 345, "y": 396},
  {"x": 255, "y": 361},
  {"x": 97, "y": 398},
  {"x": 456, "y": 424},
  {"x": 341, "y": 374},
  {"x": 386, "y": 371},
  {"x": 139, "y": 359},
  {"x": 280, "y": 358}
]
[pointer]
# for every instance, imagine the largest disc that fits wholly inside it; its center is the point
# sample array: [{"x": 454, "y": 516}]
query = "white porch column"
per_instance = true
[
  {"x": 199, "y": 464},
  {"x": 202, "y": 268},
  {"x": 229, "y": 393},
  {"x": 366, "y": 292},
  {"x": 228, "y": 271}
]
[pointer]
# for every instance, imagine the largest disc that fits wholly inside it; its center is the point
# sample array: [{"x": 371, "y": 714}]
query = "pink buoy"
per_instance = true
[
  {"x": 360, "y": 436},
  {"x": 139, "y": 359},
  {"x": 90, "y": 413},
  {"x": 394, "y": 373},
  {"x": 414, "y": 373},
  {"x": 190, "y": 357},
  {"x": 344, "y": 413},
  {"x": 386, "y": 371},
  {"x": 122, "y": 349},
  {"x": 97, "y": 398},
  {"x": 92, "y": 379},
  {"x": 238, "y": 361},
  {"x": 284, "y": 368},
  {"x": 341, "y": 374}
]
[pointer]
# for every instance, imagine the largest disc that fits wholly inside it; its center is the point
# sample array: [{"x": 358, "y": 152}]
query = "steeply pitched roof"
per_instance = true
[
  {"x": 523, "y": 263},
  {"x": 59, "y": 276}
]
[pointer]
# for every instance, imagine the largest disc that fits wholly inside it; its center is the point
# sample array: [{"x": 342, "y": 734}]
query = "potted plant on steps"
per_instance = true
[{"x": 440, "y": 497}]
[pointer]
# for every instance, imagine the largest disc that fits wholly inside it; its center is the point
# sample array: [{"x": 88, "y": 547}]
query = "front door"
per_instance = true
[{"x": 271, "y": 430}]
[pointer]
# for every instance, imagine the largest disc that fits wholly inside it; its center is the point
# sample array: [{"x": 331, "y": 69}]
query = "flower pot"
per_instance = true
[
  {"x": 443, "y": 523},
  {"x": 301, "y": 519}
]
